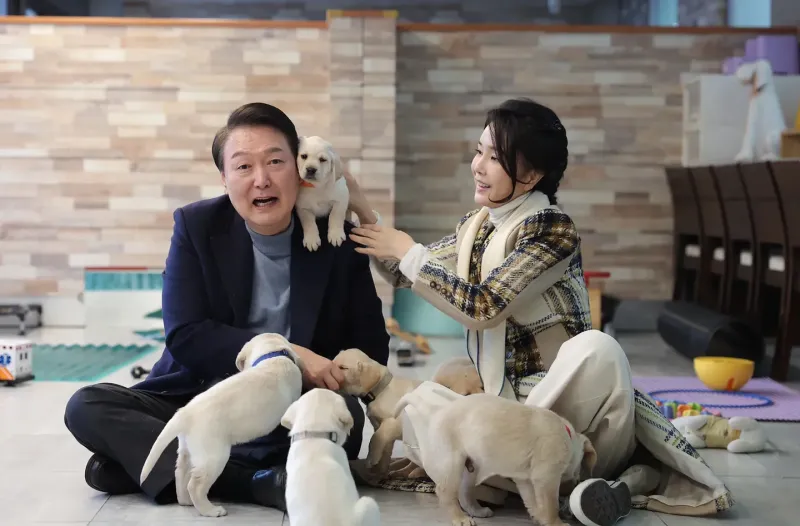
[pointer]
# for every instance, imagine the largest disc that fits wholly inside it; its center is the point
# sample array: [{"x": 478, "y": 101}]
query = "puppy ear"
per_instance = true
[
  {"x": 241, "y": 358},
  {"x": 589, "y": 457},
  {"x": 296, "y": 357},
  {"x": 338, "y": 166},
  {"x": 287, "y": 420},
  {"x": 344, "y": 416}
]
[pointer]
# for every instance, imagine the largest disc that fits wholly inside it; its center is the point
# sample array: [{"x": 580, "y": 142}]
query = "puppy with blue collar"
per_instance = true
[
  {"x": 320, "y": 490},
  {"x": 241, "y": 408}
]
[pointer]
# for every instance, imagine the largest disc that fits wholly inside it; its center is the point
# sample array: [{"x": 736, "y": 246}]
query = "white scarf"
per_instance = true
[{"x": 487, "y": 348}]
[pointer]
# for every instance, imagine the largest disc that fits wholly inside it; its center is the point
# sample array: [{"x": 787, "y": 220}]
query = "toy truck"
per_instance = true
[{"x": 16, "y": 361}]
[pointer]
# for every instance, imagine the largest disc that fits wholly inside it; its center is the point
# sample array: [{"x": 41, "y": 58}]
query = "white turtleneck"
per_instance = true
[{"x": 418, "y": 255}]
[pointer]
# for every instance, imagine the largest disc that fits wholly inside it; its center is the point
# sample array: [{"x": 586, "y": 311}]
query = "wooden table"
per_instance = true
[
  {"x": 595, "y": 297},
  {"x": 790, "y": 144}
]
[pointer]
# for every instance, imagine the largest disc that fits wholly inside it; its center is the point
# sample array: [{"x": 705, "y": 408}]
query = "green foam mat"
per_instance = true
[
  {"x": 155, "y": 314},
  {"x": 83, "y": 363}
]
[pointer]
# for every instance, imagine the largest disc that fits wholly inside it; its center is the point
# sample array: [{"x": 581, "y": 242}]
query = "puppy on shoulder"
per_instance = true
[
  {"x": 241, "y": 408},
  {"x": 323, "y": 192},
  {"x": 320, "y": 489}
]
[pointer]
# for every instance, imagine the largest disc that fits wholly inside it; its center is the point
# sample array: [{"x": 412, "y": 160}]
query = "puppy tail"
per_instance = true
[
  {"x": 366, "y": 512},
  {"x": 168, "y": 434},
  {"x": 401, "y": 405}
]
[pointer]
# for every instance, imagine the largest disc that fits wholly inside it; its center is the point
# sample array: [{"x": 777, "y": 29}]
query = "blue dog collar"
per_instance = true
[{"x": 272, "y": 354}]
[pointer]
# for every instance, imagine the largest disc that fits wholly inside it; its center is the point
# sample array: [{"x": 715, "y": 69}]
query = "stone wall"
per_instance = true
[
  {"x": 704, "y": 12},
  {"x": 107, "y": 129},
  {"x": 620, "y": 98}
]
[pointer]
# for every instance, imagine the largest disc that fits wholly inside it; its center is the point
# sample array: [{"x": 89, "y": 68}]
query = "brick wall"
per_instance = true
[
  {"x": 620, "y": 99},
  {"x": 106, "y": 130},
  {"x": 703, "y": 12}
]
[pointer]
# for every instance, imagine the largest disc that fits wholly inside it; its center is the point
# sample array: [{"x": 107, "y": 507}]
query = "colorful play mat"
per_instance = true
[{"x": 762, "y": 398}]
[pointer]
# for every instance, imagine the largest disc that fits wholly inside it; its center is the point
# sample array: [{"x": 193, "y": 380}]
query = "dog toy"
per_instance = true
[
  {"x": 674, "y": 409},
  {"x": 417, "y": 340},
  {"x": 738, "y": 434}
]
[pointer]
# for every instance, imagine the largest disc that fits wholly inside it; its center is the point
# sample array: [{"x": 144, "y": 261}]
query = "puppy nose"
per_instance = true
[{"x": 311, "y": 170}]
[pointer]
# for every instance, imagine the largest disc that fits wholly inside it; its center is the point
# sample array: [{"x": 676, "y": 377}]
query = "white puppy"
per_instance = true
[
  {"x": 482, "y": 435},
  {"x": 241, "y": 408},
  {"x": 320, "y": 489},
  {"x": 765, "y": 122},
  {"x": 323, "y": 191}
]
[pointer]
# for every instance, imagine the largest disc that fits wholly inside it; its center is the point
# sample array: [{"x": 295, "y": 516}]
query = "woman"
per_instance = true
[{"x": 512, "y": 275}]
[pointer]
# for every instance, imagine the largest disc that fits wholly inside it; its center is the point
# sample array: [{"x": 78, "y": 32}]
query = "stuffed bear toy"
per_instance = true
[{"x": 737, "y": 435}]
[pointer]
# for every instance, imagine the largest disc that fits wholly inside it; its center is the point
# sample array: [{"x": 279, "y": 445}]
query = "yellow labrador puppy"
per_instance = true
[
  {"x": 241, "y": 408},
  {"x": 483, "y": 435},
  {"x": 459, "y": 375},
  {"x": 320, "y": 489},
  {"x": 323, "y": 191},
  {"x": 380, "y": 391}
]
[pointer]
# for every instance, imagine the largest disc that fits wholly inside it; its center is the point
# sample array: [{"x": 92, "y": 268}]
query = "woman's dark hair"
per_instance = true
[
  {"x": 529, "y": 136},
  {"x": 254, "y": 114}
]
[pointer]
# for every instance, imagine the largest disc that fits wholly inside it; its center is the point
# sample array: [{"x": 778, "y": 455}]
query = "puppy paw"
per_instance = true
[
  {"x": 480, "y": 512},
  {"x": 184, "y": 500},
  {"x": 214, "y": 511},
  {"x": 312, "y": 241},
  {"x": 336, "y": 236},
  {"x": 465, "y": 521}
]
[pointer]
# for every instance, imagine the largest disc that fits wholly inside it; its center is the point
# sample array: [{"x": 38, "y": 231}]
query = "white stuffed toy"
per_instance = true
[
  {"x": 738, "y": 435},
  {"x": 765, "y": 122}
]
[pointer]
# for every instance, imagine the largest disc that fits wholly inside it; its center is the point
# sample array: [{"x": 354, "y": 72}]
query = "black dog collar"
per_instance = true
[{"x": 378, "y": 389}]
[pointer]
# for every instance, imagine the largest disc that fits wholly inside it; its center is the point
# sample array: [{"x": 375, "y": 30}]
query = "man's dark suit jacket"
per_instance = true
[{"x": 208, "y": 281}]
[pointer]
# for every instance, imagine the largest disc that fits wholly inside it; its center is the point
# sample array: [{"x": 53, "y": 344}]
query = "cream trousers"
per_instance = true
[{"x": 589, "y": 384}]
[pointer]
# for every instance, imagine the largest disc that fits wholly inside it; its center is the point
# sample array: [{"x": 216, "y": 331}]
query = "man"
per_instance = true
[{"x": 236, "y": 268}]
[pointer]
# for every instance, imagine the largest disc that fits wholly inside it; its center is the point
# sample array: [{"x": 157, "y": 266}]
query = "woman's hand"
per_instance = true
[
  {"x": 358, "y": 201},
  {"x": 318, "y": 371},
  {"x": 381, "y": 241}
]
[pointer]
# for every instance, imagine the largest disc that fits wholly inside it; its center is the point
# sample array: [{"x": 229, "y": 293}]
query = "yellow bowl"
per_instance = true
[{"x": 723, "y": 374}]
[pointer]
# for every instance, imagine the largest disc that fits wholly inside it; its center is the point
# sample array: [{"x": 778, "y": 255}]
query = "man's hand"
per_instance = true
[{"x": 318, "y": 371}]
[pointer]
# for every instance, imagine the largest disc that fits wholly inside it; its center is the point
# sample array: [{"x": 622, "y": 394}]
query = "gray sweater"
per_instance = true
[{"x": 269, "y": 305}]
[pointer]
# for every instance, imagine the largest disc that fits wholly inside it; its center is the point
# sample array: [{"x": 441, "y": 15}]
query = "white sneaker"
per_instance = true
[{"x": 597, "y": 502}]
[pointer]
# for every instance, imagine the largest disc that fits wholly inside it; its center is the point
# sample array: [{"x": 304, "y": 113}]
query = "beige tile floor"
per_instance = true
[{"x": 41, "y": 471}]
